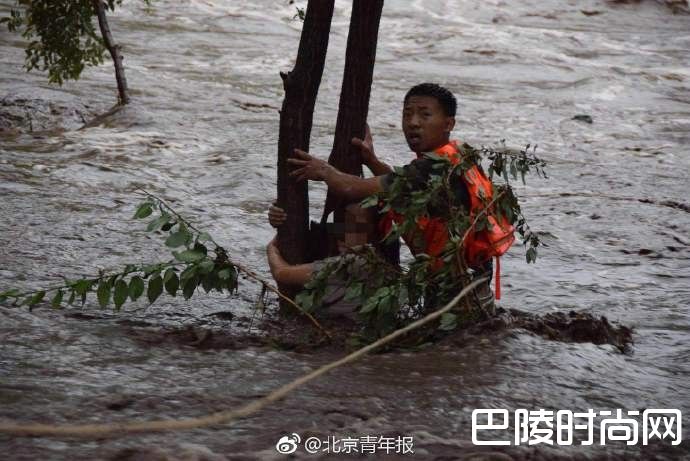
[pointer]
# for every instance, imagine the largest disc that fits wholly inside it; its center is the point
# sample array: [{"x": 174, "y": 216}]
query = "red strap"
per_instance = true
[{"x": 497, "y": 283}]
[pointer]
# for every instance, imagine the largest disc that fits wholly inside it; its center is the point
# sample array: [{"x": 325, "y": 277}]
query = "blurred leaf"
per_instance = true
[
  {"x": 204, "y": 237},
  {"x": 172, "y": 283},
  {"x": 144, "y": 210},
  {"x": 103, "y": 293},
  {"x": 57, "y": 299},
  {"x": 179, "y": 238},
  {"x": 305, "y": 300},
  {"x": 158, "y": 222},
  {"x": 37, "y": 298},
  {"x": 136, "y": 287},
  {"x": 209, "y": 281},
  {"x": 189, "y": 286},
  {"x": 206, "y": 266},
  {"x": 155, "y": 288},
  {"x": 354, "y": 292},
  {"x": 189, "y": 256},
  {"x": 120, "y": 294}
]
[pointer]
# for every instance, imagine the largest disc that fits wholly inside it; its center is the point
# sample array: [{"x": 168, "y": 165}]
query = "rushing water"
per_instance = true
[{"x": 202, "y": 133}]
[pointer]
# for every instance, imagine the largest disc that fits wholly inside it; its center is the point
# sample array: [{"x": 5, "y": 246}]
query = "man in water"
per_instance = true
[{"x": 359, "y": 229}]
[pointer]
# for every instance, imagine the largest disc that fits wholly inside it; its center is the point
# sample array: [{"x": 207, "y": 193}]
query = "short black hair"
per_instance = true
[{"x": 442, "y": 95}]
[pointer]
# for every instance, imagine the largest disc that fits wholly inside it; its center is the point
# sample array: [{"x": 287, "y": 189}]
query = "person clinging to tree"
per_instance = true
[{"x": 428, "y": 118}]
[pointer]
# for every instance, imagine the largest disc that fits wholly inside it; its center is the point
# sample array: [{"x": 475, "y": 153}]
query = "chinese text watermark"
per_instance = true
[
  {"x": 559, "y": 427},
  {"x": 371, "y": 444}
]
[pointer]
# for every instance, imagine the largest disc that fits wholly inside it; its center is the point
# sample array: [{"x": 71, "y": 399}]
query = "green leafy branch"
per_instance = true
[
  {"x": 391, "y": 296},
  {"x": 62, "y": 36},
  {"x": 508, "y": 163},
  {"x": 198, "y": 261}
]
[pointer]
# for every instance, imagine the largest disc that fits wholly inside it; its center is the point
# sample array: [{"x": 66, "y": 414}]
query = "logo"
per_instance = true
[{"x": 287, "y": 444}]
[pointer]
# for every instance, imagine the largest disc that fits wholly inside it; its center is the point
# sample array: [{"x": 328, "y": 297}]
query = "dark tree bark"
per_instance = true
[
  {"x": 114, "y": 51},
  {"x": 301, "y": 87},
  {"x": 354, "y": 96}
]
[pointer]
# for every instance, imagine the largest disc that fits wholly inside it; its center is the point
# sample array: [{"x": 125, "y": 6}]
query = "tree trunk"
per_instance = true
[
  {"x": 114, "y": 50},
  {"x": 354, "y": 96},
  {"x": 301, "y": 87}
]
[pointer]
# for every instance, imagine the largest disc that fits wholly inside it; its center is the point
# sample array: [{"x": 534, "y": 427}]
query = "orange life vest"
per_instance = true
[{"x": 480, "y": 246}]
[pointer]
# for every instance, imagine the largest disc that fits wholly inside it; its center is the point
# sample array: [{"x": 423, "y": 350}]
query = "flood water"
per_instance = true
[{"x": 202, "y": 133}]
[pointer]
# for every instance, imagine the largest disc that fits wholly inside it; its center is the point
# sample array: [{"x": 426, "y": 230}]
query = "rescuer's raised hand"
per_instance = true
[
  {"x": 366, "y": 146},
  {"x": 366, "y": 150}
]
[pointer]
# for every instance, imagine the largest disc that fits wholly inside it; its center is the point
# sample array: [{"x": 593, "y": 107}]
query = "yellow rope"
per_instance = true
[{"x": 118, "y": 429}]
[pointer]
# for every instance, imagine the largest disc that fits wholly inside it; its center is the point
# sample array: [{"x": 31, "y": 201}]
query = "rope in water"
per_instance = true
[{"x": 221, "y": 417}]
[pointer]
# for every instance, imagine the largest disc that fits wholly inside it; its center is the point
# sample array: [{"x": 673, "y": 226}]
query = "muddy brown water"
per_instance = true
[{"x": 202, "y": 133}]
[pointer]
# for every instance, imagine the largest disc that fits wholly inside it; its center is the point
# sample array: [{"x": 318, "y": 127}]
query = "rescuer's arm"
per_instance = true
[
  {"x": 284, "y": 273},
  {"x": 347, "y": 186}
]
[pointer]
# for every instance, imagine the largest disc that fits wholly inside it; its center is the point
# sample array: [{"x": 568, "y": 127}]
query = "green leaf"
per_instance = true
[
  {"x": 369, "y": 305},
  {"x": 370, "y": 201},
  {"x": 136, "y": 287},
  {"x": 150, "y": 269},
  {"x": 168, "y": 274},
  {"x": 198, "y": 247},
  {"x": 189, "y": 256},
  {"x": 81, "y": 286},
  {"x": 189, "y": 272},
  {"x": 305, "y": 300},
  {"x": 403, "y": 296},
  {"x": 206, "y": 266},
  {"x": 121, "y": 293},
  {"x": 57, "y": 299},
  {"x": 354, "y": 292},
  {"x": 231, "y": 282},
  {"x": 172, "y": 283},
  {"x": 37, "y": 298},
  {"x": 224, "y": 274},
  {"x": 210, "y": 281},
  {"x": 189, "y": 286},
  {"x": 179, "y": 238},
  {"x": 155, "y": 288},
  {"x": 144, "y": 210},
  {"x": 158, "y": 222},
  {"x": 103, "y": 293},
  {"x": 3, "y": 298},
  {"x": 204, "y": 237},
  {"x": 72, "y": 295}
]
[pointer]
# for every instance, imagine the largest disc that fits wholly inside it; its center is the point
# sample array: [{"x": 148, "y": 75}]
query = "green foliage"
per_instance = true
[
  {"x": 194, "y": 266},
  {"x": 391, "y": 296},
  {"x": 62, "y": 35}
]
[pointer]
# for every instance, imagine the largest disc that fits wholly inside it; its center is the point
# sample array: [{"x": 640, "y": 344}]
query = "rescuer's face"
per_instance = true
[{"x": 425, "y": 124}]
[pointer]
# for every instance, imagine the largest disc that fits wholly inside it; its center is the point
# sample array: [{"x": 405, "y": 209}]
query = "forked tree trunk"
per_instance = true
[
  {"x": 114, "y": 50},
  {"x": 301, "y": 87},
  {"x": 354, "y": 96}
]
